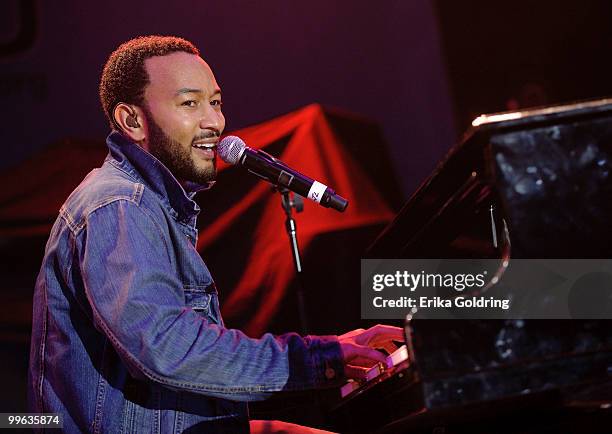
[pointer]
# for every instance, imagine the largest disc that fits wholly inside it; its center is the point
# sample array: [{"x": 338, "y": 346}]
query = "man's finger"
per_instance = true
[
  {"x": 355, "y": 372},
  {"x": 361, "y": 361},
  {"x": 363, "y": 354},
  {"x": 380, "y": 333},
  {"x": 389, "y": 332},
  {"x": 389, "y": 347},
  {"x": 351, "y": 334}
]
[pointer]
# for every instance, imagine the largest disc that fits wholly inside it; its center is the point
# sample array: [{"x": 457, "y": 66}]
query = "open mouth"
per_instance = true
[
  {"x": 205, "y": 145},
  {"x": 205, "y": 150}
]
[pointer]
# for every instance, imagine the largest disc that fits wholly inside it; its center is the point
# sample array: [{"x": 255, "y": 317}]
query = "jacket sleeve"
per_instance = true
[{"x": 138, "y": 303}]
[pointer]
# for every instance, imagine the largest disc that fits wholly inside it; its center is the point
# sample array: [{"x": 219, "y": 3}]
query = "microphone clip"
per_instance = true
[{"x": 289, "y": 200}]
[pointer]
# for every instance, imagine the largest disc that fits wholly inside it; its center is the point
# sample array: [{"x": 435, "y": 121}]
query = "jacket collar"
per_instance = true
[{"x": 145, "y": 167}]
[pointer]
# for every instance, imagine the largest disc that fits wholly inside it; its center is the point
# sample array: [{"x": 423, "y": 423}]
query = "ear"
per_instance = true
[{"x": 130, "y": 119}]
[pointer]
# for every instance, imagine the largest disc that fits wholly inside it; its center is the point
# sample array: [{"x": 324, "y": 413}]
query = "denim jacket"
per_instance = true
[{"x": 127, "y": 335}]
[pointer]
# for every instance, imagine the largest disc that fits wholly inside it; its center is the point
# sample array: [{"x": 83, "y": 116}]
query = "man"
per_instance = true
[{"x": 127, "y": 334}]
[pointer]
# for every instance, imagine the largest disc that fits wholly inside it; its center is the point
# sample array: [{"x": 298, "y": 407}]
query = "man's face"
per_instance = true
[{"x": 183, "y": 115}]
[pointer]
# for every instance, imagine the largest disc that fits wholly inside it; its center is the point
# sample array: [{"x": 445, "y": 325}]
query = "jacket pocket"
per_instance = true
[{"x": 200, "y": 299}]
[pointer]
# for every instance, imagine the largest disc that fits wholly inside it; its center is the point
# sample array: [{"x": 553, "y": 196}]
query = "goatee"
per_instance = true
[{"x": 175, "y": 157}]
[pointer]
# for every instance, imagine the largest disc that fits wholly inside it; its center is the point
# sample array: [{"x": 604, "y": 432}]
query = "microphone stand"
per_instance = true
[{"x": 289, "y": 201}]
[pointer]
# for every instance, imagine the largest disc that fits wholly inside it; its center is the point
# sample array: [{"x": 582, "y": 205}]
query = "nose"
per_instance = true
[{"x": 212, "y": 119}]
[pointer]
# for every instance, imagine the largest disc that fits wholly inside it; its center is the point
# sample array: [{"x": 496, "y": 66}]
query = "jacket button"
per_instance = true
[{"x": 330, "y": 373}]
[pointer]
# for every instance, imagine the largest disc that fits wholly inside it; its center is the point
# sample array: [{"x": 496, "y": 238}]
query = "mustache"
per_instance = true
[{"x": 209, "y": 134}]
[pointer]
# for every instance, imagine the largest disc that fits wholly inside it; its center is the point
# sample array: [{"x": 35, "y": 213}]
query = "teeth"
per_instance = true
[{"x": 205, "y": 145}]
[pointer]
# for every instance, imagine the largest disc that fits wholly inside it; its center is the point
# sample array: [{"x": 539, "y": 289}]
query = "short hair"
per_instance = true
[{"x": 125, "y": 78}]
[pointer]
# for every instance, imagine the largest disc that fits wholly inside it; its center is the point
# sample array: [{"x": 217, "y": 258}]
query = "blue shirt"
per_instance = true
[{"x": 127, "y": 335}]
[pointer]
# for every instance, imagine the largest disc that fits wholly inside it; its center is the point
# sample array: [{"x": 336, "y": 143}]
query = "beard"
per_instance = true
[{"x": 175, "y": 157}]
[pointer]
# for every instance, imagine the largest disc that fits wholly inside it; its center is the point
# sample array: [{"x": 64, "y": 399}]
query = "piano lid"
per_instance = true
[{"x": 544, "y": 174}]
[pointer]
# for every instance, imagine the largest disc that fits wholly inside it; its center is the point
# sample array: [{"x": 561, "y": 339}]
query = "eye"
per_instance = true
[
  {"x": 216, "y": 103},
  {"x": 190, "y": 103}
]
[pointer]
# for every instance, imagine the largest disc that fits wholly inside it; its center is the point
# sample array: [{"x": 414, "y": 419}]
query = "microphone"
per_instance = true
[{"x": 233, "y": 150}]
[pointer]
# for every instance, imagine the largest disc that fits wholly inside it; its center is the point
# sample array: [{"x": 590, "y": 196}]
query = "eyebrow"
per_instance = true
[{"x": 190, "y": 90}]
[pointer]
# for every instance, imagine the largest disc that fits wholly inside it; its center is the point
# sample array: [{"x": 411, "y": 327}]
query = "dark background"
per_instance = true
[
  {"x": 270, "y": 57},
  {"x": 421, "y": 69}
]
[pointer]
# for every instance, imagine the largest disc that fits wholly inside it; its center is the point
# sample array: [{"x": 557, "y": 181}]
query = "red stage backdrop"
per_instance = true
[{"x": 313, "y": 148}]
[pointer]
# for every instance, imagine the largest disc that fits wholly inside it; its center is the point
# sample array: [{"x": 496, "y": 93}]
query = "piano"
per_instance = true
[{"x": 520, "y": 185}]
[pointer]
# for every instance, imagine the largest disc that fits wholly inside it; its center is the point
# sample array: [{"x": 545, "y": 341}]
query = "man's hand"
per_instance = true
[{"x": 359, "y": 347}]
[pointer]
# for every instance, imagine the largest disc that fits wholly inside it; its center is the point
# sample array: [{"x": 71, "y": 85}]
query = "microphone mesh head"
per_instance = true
[{"x": 230, "y": 149}]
